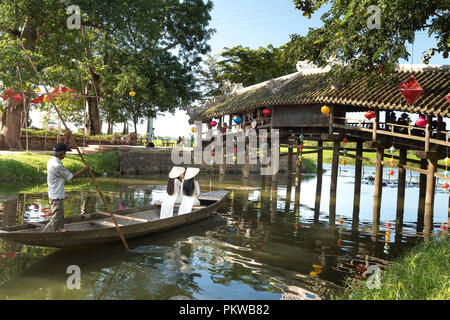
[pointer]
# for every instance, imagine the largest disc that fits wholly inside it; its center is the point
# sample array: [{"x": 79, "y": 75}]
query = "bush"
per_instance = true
[{"x": 19, "y": 166}]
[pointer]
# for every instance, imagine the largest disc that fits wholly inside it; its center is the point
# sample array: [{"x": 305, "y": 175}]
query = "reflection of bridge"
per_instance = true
[{"x": 294, "y": 106}]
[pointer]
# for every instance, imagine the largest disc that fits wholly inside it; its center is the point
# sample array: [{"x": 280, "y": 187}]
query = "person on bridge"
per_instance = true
[{"x": 56, "y": 176}]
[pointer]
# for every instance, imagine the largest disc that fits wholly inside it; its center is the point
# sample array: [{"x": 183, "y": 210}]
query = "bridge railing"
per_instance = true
[{"x": 396, "y": 130}]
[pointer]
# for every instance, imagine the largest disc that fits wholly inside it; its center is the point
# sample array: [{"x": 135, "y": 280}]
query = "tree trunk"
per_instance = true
[
  {"x": 110, "y": 127},
  {"x": 11, "y": 124},
  {"x": 93, "y": 120}
]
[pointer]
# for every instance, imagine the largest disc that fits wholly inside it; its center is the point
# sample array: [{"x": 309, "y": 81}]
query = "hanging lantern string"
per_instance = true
[{"x": 78, "y": 150}]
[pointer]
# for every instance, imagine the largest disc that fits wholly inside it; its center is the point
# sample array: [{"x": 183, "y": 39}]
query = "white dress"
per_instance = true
[
  {"x": 188, "y": 202},
  {"x": 169, "y": 201}
]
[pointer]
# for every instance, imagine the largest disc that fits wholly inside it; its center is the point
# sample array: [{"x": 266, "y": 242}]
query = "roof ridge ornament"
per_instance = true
[
  {"x": 230, "y": 89},
  {"x": 307, "y": 67}
]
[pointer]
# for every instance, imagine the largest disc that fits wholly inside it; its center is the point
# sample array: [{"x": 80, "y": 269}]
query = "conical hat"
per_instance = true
[
  {"x": 190, "y": 173},
  {"x": 175, "y": 172}
]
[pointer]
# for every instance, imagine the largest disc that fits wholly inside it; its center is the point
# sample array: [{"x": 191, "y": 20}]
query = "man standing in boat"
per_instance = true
[{"x": 56, "y": 174}]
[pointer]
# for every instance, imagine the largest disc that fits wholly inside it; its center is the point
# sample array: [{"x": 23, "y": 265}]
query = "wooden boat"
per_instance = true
[{"x": 98, "y": 228}]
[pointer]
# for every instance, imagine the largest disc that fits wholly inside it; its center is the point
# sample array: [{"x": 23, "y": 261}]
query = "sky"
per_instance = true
[{"x": 253, "y": 24}]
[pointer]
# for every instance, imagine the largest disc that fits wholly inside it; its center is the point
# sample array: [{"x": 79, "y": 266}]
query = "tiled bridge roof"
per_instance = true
[{"x": 312, "y": 88}]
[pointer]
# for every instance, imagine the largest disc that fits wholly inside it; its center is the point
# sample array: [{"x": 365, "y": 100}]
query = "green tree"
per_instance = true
[
  {"x": 350, "y": 38},
  {"x": 243, "y": 65},
  {"x": 162, "y": 39}
]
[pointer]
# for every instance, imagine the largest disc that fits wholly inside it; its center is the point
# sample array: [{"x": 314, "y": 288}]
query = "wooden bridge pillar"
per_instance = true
[
  {"x": 289, "y": 168},
  {"x": 246, "y": 165},
  {"x": 358, "y": 175},
  {"x": 298, "y": 168},
  {"x": 319, "y": 177},
  {"x": 378, "y": 185},
  {"x": 422, "y": 190},
  {"x": 429, "y": 197},
  {"x": 401, "y": 188},
  {"x": 333, "y": 184},
  {"x": 222, "y": 165},
  {"x": 298, "y": 179}
]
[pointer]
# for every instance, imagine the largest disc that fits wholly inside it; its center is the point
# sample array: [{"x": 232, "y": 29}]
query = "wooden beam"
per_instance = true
[
  {"x": 123, "y": 217},
  {"x": 392, "y": 134},
  {"x": 429, "y": 198},
  {"x": 319, "y": 178},
  {"x": 37, "y": 224},
  {"x": 387, "y": 163},
  {"x": 333, "y": 184},
  {"x": 358, "y": 175},
  {"x": 378, "y": 186},
  {"x": 401, "y": 188},
  {"x": 422, "y": 190}
]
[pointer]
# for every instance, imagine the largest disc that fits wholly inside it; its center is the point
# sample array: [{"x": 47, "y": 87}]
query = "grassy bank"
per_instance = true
[
  {"x": 22, "y": 166},
  {"x": 423, "y": 273}
]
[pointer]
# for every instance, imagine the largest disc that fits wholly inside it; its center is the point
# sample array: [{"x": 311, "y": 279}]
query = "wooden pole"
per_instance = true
[
  {"x": 375, "y": 124},
  {"x": 429, "y": 197},
  {"x": 330, "y": 120},
  {"x": 319, "y": 177},
  {"x": 333, "y": 184},
  {"x": 401, "y": 188},
  {"x": 378, "y": 185},
  {"x": 78, "y": 150},
  {"x": 222, "y": 164},
  {"x": 422, "y": 191},
  {"x": 298, "y": 179},
  {"x": 290, "y": 165},
  {"x": 358, "y": 176}
]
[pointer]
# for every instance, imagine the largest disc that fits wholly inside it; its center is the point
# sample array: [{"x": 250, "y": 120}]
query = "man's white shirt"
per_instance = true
[{"x": 56, "y": 174}]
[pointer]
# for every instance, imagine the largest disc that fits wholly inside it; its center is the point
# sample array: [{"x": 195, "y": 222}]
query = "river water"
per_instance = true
[{"x": 260, "y": 244}]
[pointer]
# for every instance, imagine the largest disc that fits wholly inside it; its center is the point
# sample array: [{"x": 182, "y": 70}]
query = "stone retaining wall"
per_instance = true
[{"x": 148, "y": 161}]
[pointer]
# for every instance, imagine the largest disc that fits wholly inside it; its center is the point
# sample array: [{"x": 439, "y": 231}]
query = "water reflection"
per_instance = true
[{"x": 271, "y": 242}]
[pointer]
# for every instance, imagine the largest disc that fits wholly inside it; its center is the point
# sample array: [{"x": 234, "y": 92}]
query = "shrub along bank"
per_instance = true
[{"x": 26, "y": 165}]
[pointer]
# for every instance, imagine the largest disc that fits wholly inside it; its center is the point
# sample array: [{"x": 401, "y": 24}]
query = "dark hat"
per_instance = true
[{"x": 61, "y": 147}]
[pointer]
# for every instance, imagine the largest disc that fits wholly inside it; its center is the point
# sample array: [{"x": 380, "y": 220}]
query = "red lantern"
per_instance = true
[
  {"x": 421, "y": 122},
  {"x": 18, "y": 98},
  {"x": 410, "y": 89},
  {"x": 448, "y": 98},
  {"x": 391, "y": 172},
  {"x": 212, "y": 154},
  {"x": 445, "y": 185},
  {"x": 64, "y": 89},
  {"x": 213, "y": 123},
  {"x": 300, "y": 147},
  {"x": 388, "y": 224},
  {"x": 345, "y": 140},
  {"x": 235, "y": 149},
  {"x": 38, "y": 99},
  {"x": 266, "y": 112},
  {"x": 369, "y": 115},
  {"x": 72, "y": 90}
]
